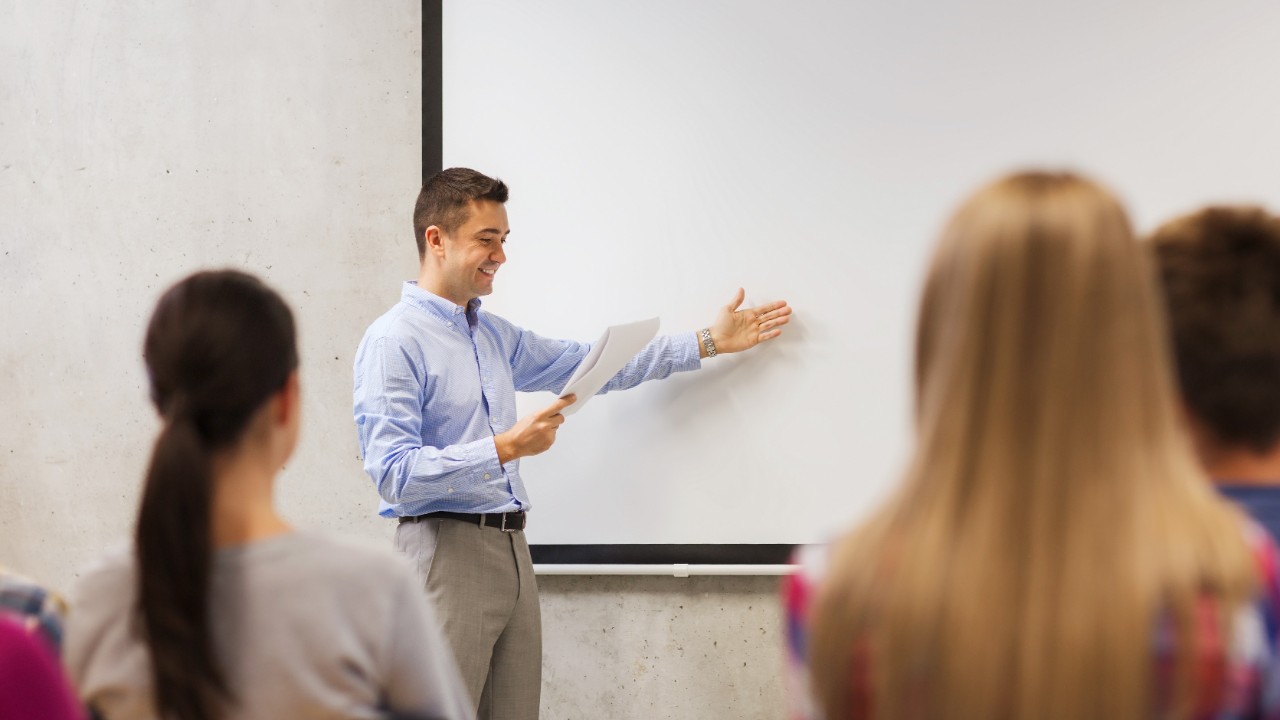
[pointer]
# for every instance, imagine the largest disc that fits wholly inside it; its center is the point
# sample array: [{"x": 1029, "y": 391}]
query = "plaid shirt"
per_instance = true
[
  {"x": 1237, "y": 669},
  {"x": 38, "y": 610}
]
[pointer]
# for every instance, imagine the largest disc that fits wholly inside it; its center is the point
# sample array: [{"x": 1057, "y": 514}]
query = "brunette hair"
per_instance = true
[
  {"x": 1220, "y": 269},
  {"x": 218, "y": 346}
]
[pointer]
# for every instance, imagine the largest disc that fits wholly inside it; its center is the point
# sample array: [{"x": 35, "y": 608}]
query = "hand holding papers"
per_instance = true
[{"x": 614, "y": 349}]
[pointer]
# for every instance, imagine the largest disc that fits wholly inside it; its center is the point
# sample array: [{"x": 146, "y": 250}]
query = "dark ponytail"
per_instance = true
[{"x": 218, "y": 346}]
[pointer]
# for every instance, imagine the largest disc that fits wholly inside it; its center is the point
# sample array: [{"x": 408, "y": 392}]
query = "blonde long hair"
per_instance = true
[{"x": 1052, "y": 510}]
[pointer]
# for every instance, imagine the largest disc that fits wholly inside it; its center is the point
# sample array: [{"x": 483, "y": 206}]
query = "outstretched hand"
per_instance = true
[{"x": 735, "y": 330}]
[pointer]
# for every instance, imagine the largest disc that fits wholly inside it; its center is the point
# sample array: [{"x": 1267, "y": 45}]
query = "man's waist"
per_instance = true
[
  {"x": 505, "y": 521},
  {"x": 469, "y": 501}
]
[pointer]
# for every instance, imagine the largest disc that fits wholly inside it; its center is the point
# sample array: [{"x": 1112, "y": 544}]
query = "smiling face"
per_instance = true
[{"x": 460, "y": 265}]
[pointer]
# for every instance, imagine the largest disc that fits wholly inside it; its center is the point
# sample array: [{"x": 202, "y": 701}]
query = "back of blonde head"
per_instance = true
[{"x": 1051, "y": 509}]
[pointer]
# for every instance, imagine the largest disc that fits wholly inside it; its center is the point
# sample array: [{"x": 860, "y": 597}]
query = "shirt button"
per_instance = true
[
  {"x": 486, "y": 476},
  {"x": 450, "y": 489}
]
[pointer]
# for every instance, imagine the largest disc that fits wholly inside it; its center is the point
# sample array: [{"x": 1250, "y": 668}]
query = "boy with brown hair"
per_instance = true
[{"x": 1220, "y": 272}]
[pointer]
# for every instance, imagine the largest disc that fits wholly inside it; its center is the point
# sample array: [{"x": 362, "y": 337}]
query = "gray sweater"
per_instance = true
[{"x": 306, "y": 626}]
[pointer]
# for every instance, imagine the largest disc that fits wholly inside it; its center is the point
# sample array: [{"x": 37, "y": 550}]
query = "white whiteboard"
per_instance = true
[{"x": 661, "y": 154}]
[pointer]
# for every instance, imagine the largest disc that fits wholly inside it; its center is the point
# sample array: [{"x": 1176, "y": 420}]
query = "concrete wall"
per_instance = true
[
  {"x": 140, "y": 141},
  {"x": 655, "y": 647}
]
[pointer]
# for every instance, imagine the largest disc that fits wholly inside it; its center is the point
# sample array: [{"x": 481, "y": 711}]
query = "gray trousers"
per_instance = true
[{"x": 481, "y": 581}]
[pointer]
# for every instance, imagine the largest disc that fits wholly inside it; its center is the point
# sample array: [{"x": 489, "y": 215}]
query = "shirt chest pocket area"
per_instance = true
[{"x": 494, "y": 380}]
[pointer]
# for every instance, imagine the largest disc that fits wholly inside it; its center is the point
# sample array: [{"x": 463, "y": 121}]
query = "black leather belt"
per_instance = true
[{"x": 506, "y": 522}]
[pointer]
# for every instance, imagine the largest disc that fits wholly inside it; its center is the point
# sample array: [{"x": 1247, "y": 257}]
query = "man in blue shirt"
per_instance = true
[
  {"x": 1220, "y": 269},
  {"x": 435, "y": 384}
]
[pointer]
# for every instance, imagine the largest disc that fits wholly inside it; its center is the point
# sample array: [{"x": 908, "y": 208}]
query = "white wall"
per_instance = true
[{"x": 140, "y": 141}]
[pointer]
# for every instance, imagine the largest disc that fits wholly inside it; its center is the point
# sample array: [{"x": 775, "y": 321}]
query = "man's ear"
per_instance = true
[{"x": 435, "y": 240}]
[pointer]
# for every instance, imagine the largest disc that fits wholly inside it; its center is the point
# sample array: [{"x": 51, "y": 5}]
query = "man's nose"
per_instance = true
[{"x": 499, "y": 254}]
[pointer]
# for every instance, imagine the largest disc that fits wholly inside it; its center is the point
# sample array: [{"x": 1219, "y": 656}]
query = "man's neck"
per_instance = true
[
  {"x": 431, "y": 283},
  {"x": 1244, "y": 467}
]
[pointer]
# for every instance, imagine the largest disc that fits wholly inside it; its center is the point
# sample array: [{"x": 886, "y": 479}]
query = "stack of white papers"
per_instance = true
[{"x": 615, "y": 348}]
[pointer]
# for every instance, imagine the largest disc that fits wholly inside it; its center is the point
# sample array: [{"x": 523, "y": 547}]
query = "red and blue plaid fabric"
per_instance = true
[{"x": 1237, "y": 668}]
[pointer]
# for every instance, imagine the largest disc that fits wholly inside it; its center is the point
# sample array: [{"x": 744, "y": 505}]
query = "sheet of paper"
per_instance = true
[{"x": 615, "y": 348}]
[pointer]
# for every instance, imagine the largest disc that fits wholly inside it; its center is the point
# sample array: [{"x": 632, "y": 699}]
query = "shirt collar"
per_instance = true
[{"x": 414, "y": 295}]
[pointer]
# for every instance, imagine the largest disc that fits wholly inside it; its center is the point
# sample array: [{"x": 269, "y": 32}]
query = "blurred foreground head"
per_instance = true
[{"x": 1052, "y": 510}]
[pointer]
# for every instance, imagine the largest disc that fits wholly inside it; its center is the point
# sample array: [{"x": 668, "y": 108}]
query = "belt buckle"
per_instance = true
[{"x": 504, "y": 524}]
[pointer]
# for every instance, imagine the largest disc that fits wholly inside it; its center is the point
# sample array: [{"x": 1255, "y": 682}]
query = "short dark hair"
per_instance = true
[
  {"x": 446, "y": 197},
  {"x": 1220, "y": 269}
]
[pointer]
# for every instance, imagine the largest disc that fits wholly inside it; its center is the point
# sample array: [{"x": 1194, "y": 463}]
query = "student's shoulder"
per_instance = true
[
  {"x": 356, "y": 559},
  {"x": 809, "y": 568},
  {"x": 106, "y": 582},
  {"x": 113, "y": 567},
  {"x": 810, "y": 562},
  {"x": 1266, "y": 557}
]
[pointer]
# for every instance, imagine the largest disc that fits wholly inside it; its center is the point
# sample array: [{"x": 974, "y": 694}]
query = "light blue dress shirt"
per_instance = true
[{"x": 435, "y": 382}]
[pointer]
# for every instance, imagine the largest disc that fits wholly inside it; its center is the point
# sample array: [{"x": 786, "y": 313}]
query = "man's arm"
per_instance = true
[
  {"x": 733, "y": 331},
  {"x": 534, "y": 433},
  {"x": 540, "y": 363},
  {"x": 389, "y": 388}
]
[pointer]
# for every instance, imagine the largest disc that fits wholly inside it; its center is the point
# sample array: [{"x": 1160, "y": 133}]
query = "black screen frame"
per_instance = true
[{"x": 585, "y": 554}]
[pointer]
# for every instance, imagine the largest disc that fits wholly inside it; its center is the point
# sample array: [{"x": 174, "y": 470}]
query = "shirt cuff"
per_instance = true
[
  {"x": 482, "y": 455},
  {"x": 685, "y": 352}
]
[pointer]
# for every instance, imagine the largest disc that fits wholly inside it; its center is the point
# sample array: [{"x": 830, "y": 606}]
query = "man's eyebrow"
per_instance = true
[{"x": 492, "y": 231}]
